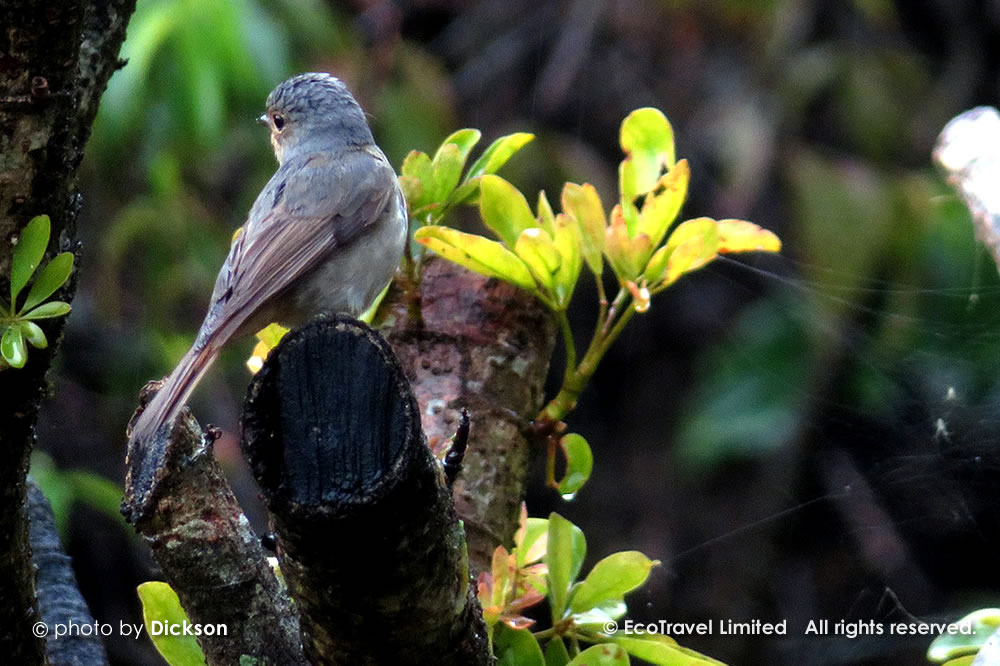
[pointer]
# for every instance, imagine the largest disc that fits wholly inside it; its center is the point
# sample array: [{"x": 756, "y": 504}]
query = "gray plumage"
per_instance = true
[{"x": 324, "y": 235}]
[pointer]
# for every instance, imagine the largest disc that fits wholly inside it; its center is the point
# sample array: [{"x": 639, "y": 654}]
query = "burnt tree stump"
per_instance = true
[{"x": 367, "y": 535}]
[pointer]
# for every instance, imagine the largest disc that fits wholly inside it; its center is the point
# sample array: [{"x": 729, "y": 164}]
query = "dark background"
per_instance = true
[{"x": 798, "y": 437}]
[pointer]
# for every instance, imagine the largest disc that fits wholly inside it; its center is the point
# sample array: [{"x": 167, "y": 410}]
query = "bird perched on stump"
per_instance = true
[{"x": 325, "y": 235}]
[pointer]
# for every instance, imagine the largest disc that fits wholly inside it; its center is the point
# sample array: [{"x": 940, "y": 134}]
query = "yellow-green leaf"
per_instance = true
[
  {"x": 476, "y": 253},
  {"x": 417, "y": 179},
  {"x": 579, "y": 464},
  {"x": 604, "y": 654},
  {"x": 743, "y": 236},
  {"x": 648, "y": 142},
  {"x": 662, "y": 205},
  {"x": 611, "y": 579},
  {"x": 692, "y": 244},
  {"x": 494, "y": 157},
  {"x": 582, "y": 203},
  {"x": 545, "y": 218},
  {"x": 161, "y": 609},
  {"x": 504, "y": 209},
  {"x": 535, "y": 248},
  {"x": 449, "y": 160},
  {"x": 627, "y": 256},
  {"x": 568, "y": 240},
  {"x": 661, "y": 650}
]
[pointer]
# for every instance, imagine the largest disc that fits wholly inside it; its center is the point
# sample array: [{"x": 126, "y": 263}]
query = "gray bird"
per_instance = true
[{"x": 325, "y": 235}]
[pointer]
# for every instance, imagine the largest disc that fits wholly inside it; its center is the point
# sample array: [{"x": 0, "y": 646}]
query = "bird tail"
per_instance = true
[{"x": 174, "y": 392}]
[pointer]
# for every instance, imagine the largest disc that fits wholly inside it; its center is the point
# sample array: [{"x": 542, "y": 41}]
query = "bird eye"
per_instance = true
[{"x": 279, "y": 121}]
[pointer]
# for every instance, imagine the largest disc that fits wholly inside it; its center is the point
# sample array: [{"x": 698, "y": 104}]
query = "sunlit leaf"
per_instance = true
[
  {"x": 52, "y": 276},
  {"x": 568, "y": 241},
  {"x": 564, "y": 557},
  {"x": 605, "y": 654},
  {"x": 494, "y": 157},
  {"x": 611, "y": 579},
  {"x": 662, "y": 205},
  {"x": 12, "y": 347},
  {"x": 160, "y": 604},
  {"x": 267, "y": 339},
  {"x": 582, "y": 203},
  {"x": 539, "y": 254},
  {"x": 661, "y": 650},
  {"x": 579, "y": 464},
  {"x": 743, "y": 236},
  {"x": 28, "y": 254},
  {"x": 648, "y": 142},
  {"x": 504, "y": 209},
  {"x": 692, "y": 244},
  {"x": 447, "y": 170},
  {"x": 627, "y": 256},
  {"x": 531, "y": 540},
  {"x": 48, "y": 310},
  {"x": 982, "y": 625},
  {"x": 546, "y": 219},
  {"x": 33, "y": 333},
  {"x": 516, "y": 647},
  {"x": 476, "y": 253}
]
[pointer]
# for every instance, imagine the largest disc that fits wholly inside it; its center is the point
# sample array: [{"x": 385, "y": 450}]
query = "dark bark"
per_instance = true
[
  {"x": 482, "y": 344},
  {"x": 59, "y": 600},
  {"x": 55, "y": 60},
  {"x": 367, "y": 533},
  {"x": 179, "y": 500}
]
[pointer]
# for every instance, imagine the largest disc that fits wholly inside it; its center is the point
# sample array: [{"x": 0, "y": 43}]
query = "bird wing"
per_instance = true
[{"x": 311, "y": 206}]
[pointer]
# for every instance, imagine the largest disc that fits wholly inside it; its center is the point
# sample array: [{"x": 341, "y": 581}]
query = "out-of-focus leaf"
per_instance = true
[
  {"x": 661, "y": 650},
  {"x": 48, "y": 310},
  {"x": 160, "y": 604},
  {"x": 648, "y": 141},
  {"x": 267, "y": 339},
  {"x": 627, "y": 256},
  {"x": 982, "y": 625},
  {"x": 504, "y": 209},
  {"x": 605, "y": 654},
  {"x": 12, "y": 347},
  {"x": 97, "y": 492},
  {"x": 564, "y": 557},
  {"x": 516, "y": 647},
  {"x": 28, "y": 254},
  {"x": 52, "y": 276},
  {"x": 568, "y": 240},
  {"x": 539, "y": 254},
  {"x": 416, "y": 179},
  {"x": 579, "y": 464},
  {"x": 582, "y": 203},
  {"x": 742, "y": 236},
  {"x": 662, "y": 205},
  {"x": 556, "y": 653},
  {"x": 33, "y": 333},
  {"x": 476, "y": 253},
  {"x": 546, "y": 218},
  {"x": 531, "y": 540},
  {"x": 692, "y": 244},
  {"x": 610, "y": 579}
]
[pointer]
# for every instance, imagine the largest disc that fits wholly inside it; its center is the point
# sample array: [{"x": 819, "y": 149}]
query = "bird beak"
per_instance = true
[{"x": 263, "y": 119}]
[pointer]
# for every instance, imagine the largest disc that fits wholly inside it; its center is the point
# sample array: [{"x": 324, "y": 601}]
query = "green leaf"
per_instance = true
[
  {"x": 564, "y": 557},
  {"x": 546, "y": 218},
  {"x": 660, "y": 650},
  {"x": 579, "y": 464},
  {"x": 12, "y": 347},
  {"x": 531, "y": 542},
  {"x": 494, "y": 157},
  {"x": 648, "y": 142},
  {"x": 661, "y": 206},
  {"x": 33, "y": 333},
  {"x": 516, "y": 647},
  {"x": 536, "y": 249},
  {"x": 449, "y": 160},
  {"x": 983, "y": 624},
  {"x": 582, "y": 203},
  {"x": 504, "y": 209},
  {"x": 692, "y": 244},
  {"x": 476, "y": 253},
  {"x": 161, "y": 605},
  {"x": 97, "y": 492},
  {"x": 52, "y": 276},
  {"x": 628, "y": 256},
  {"x": 556, "y": 653},
  {"x": 568, "y": 240},
  {"x": 611, "y": 579},
  {"x": 48, "y": 310},
  {"x": 417, "y": 179},
  {"x": 605, "y": 654},
  {"x": 28, "y": 254}
]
